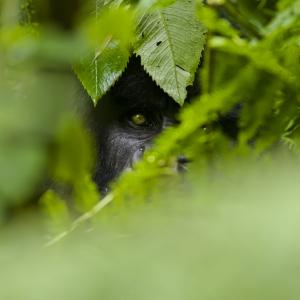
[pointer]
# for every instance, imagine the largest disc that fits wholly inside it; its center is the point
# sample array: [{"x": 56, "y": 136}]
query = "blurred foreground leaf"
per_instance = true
[
  {"x": 234, "y": 239},
  {"x": 32, "y": 104}
]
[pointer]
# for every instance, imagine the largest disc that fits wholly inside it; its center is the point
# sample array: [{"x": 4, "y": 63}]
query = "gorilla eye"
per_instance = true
[{"x": 138, "y": 119}]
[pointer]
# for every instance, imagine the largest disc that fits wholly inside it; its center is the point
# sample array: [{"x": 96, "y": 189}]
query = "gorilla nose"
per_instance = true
[
  {"x": 182, "y": 162},
  {"x": 181, "y": 159},
  {"x": 138, "y": 154}
]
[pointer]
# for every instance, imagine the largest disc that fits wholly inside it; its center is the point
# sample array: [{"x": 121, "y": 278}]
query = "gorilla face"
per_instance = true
[{"x": 126, "y": 121}]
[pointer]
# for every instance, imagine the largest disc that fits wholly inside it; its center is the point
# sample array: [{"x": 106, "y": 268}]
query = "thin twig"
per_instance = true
[{"x": 83, "y": 218}]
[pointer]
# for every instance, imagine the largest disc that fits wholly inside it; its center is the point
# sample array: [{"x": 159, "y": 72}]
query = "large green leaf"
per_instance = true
[
  {"x": 98, "y": 72},
  {"x": 170, "y": 44},
  {"x": 110, "y": 36}
]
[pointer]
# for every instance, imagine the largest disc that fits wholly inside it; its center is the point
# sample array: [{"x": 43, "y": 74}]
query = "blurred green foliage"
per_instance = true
[
  {"x": 236, "y": 238},
  {"x": 226, "y": 229}
]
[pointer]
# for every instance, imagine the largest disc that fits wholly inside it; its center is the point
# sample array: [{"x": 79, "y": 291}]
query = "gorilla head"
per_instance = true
[{"x": 126, "y": 121}]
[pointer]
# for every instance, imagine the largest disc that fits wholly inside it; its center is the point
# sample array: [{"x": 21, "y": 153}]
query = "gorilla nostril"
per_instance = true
[
  {"x": 181, "y": 159},
  {"x": 138, "y": 154}
]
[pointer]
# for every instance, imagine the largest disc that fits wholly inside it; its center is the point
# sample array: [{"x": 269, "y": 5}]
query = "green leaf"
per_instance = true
[
  {"x": 109, "y": 37},
  {"x": 170, "y": 44},
  {"x": 74, "y": 156},
  {"x": 286, "y": 18},
  {"x": 55, "y": 208},
  {"x": 98, "y": 72}
]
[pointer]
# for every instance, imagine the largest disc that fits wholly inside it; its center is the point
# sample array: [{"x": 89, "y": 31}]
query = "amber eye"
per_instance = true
[{"x": 138, "y": 119}]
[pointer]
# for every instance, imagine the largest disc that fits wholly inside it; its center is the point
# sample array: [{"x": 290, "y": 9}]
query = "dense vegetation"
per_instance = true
[{"x": 226, "y": 229}]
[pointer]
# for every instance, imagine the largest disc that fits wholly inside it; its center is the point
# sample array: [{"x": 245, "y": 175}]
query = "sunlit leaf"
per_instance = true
[
  {"x": 110, "y": 38},
  {"x": 98, "y": 72}
]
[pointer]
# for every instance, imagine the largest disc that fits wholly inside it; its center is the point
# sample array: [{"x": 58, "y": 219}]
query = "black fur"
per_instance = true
[{"x": 119, "y": 142}]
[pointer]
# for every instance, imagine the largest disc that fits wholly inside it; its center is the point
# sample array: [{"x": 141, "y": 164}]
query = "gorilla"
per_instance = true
[{"x": 125, "y": 122}]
